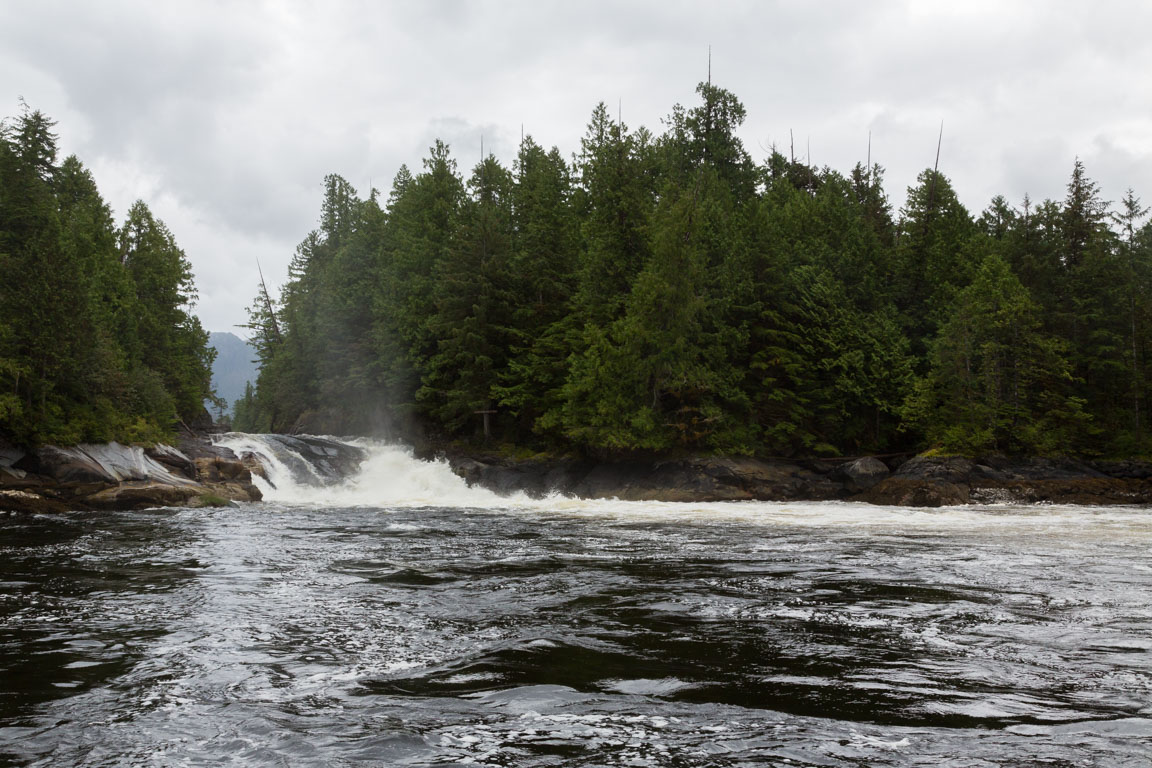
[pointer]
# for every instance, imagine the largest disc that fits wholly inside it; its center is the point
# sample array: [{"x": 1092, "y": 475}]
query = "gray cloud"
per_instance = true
[{"x": 225, "y": 117}]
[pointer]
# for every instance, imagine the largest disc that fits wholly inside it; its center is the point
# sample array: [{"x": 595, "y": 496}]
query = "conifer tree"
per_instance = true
[
  {"x": 470, "y": 322},
  {"x": 1135, "y": 266},
  {"x": 173, "y": 345},
  {"x": 96, "y": 342},
  {"x": 615, "y": 198},
  {"x": 997, "y": 382},
  {"x": 421, "y": 226},
  {"x": 43, "y": 301},
  {"x": 665, "y": 363},
  {"x": 935, "y": 255},
  {"x": 542, "y": 274}
]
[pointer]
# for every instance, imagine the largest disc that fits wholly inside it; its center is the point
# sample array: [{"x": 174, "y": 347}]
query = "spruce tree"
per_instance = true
[
  {"x": 542, "y": 274},
  {"x": 470, "y": 322},
  {"x": 173, "y": 346},
  {"x": 997, "y": 382}
]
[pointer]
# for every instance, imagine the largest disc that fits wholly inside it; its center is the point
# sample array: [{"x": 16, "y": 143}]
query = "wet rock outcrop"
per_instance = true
[
  {"x": 116, "y": 476},
  {"x": 331, "y": 459},
  {"x": 696, "y": 479},
  {"x": 944, "y": 480},
  {"x": 921, "y": 481},
  {"x": 861, "y": 474}
]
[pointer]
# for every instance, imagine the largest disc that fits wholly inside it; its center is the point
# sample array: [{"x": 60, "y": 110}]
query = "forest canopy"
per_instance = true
[
  {"x": 97, "y": 337},
  {"x": 668, "y": 293},
  {"x": 651, "y": 294}
]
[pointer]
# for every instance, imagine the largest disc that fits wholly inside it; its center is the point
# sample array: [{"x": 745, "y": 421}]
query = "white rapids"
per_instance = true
[
  {"x": 392, "y": 477},
  {"x": 397, "y": 616}
]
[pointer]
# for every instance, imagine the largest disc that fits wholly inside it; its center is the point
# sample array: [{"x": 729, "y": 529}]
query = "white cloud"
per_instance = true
[{"x": 225, "y": 117}]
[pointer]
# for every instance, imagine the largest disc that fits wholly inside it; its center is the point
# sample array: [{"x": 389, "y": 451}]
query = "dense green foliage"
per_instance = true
[
  {"x": 666, "y": 293},
  {"x": 97, "y": 341}
]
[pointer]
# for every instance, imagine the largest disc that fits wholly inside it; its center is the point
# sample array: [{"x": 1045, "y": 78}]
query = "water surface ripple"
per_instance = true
[{"x": 577, "y": 634}]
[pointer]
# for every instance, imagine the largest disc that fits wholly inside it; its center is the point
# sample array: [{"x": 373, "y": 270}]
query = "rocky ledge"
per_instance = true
[
  {"x": 938, "y": 481},
  {"x": 114, "y": 476},
  {"x": 692, "y": 479},
  {"x": 920, "y": 481}
]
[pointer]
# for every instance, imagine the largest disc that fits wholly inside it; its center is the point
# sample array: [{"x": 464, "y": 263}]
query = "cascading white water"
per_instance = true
[{"x": 389, "y": 476}]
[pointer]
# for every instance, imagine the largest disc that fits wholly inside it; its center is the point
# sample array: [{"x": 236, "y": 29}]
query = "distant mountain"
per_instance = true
[{"x": 233, "y": 367}]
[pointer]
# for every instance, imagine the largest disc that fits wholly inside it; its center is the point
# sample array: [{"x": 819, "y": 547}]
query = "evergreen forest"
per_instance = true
[
  {"x": 98, "y": 341},
  {"x": 659, "y": 294}
]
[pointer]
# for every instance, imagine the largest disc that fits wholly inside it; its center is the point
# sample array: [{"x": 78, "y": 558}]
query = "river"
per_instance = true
[{"x": 401, "y": 618}]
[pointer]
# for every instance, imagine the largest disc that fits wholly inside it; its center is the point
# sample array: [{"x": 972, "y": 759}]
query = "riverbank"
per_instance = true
[
  {"x": 917, "y": 481},
  {"x": 110, "y": 476},
  {"x": 196, "y": 472}
]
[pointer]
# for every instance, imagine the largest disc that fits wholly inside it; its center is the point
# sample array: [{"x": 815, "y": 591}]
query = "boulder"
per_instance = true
[
  {"x": 172, "y": 458},
  {"x": 229, "y": 478},
  {"x": 535, "y": 477},
  {"x": 234, "y": 491},
  {"x": 216, "y": 470},
  {"x": 33, "y": 503},
  {"x": 11, "y": 477},
  {"x": 143, "y": 495},
  {"x": 861, "y": 474},
  {"x": 130, "y": 462},
  {"x": 200, "y": 447},
  {"x": 115, "y": 476},
  {"x": 103, "y": 463},
  {"x": 736, "y": 479},
  {"x": 253, "y": 464},
  {"x": 901, "y": 491},
  {"x": 9, "y": 455},
  {"x": 924, "y": 481},
  {"x": 331, "y": 459},
  {"x": 1124, "y": 470},
  {"x": 70, "y": 465}
]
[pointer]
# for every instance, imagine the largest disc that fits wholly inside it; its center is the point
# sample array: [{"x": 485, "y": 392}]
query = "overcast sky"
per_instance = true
[{"x": 225, "y": 117}]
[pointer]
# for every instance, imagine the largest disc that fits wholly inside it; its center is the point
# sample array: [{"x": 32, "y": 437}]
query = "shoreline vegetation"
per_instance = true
[{"x": 657, "y": 306}]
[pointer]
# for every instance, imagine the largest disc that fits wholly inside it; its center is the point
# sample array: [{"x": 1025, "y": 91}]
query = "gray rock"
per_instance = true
[
  {"x": 33, "y": 503},
  {"x": 70, "y": 465},
  {"x": 332, "y": 459},
  {"x": 9, "y": 455},
  {"x": 861, "y": 474},
  {"x": 107, "y": 463},
  {"x": 692, "y": 480},
  {"x": 172, "y": 458},
  {"x": 115, "y": 476},
  {"x": 924, "y": 481},
  {"x": 143, "y": 495},
  {"x": 902, "y": 491}
]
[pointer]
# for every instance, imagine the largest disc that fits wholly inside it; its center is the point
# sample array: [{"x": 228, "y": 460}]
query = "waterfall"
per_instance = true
[
  {"x": 329, "y": 472},
  {"x": 301, "y": 470}
]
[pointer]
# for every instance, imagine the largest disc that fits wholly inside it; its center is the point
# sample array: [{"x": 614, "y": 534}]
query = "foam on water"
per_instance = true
[{"x": 392, "y": 477}]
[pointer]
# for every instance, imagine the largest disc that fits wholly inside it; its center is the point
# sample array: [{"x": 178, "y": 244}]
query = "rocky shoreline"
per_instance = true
[
  {"x": 196, "y": 472},
  {"x": 919, "y": 481},
  {"x": 113, "y": 476}
]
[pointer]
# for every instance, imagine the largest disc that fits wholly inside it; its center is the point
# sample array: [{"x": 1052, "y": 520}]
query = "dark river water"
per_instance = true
[{"x": 577, "y": 634}]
